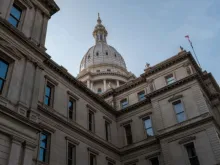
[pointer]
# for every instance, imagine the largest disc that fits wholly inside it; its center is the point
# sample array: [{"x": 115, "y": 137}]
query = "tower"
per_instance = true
[{"x": 103, "y": 67}]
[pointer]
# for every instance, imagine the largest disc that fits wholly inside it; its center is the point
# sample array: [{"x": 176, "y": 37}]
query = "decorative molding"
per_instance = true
[
  {"x": 75, "y": 142},
  {"x": 145, "y": 115},
  {"x": 152, "y": 155},
  {"x": 132, "y": 162},
  {"x": 93, "y": 151},
  {"x": 175, "y": 98},
  {"x": 126, "y": 122},
  {"x": 17, "y": 140},
  {"x": 107, "y": 119},
  {"x": 187, "y": 139},
  {"x": 110, "y": 160},
  {"x": 46, "y": 127},
  {"x": 91, "y": 108},
  {"x": 28, "y": 3},
  {"x": 51, "y": 80},
  {"x": 72, "y": 95}
]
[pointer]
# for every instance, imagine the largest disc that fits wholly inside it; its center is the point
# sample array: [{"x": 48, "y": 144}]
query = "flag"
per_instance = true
[{"x": 187, "y": 36}]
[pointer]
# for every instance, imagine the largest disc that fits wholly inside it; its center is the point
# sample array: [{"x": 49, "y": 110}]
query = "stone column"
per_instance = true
[
  {"x": 117, "y": 83},
  {"x": 28, "y": 153},
  {"x": 92, "y": 85},
  {"x": 15, "y": 150},
  {"x": 104, "y": 82},
  {"x": 88, "y": 83}
]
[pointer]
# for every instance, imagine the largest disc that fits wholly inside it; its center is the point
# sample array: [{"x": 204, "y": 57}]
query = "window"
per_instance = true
[
  {"x": 141, "y": 95},
  {"x": 109, "y": 163},
  {"x": 99, "y": 90},
  {"x": 89, "y": 56},
  {"x": 170, "y": 79},
  {"x": 72, "y": 109},
  {"x": 128, "y": 134},
  {"x": 44, "y": 147},
  {"x": 97, "y": 53},
  {"x": 92, "y": 159},
  {"x": 108, "y": 70},
  {"x": 106, "y": 53},
  {"x": 91, "y": 121},
  {"x": 3, "y": 73},
  {"x": 48, "y": 94},
  {"x": 192, "y": 154},
  {"x": 154, "y": 161},
  {"x": 107, "y": 130},
  {"x": 15, "y": 15},
  {"x": 179, "y": 110},
  {"x": 115, "y": 55},
  {"x": 71, "y": 154},
  {"x": 124, "y": 103},
  {"x": 97, "y": 70},
  {"x": 148, "y": 126}
]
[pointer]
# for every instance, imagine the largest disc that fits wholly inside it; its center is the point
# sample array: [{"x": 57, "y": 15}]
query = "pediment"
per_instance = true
[{"x": 10, "y": 49}]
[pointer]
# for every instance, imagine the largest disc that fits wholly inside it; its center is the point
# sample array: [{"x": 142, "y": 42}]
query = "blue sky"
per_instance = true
[{"x": 141, "y": 30}]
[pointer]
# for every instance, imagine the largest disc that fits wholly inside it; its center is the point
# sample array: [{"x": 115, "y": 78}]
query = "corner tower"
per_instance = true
[{"x": 102, "y": 67}]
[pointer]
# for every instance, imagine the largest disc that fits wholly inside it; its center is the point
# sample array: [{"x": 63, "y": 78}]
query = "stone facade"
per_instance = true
[{"x": 48, "y": 117}]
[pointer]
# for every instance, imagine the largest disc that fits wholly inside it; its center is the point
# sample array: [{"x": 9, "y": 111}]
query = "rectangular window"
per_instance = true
[
  {"x": 154, "y": 161},
  {"x": 71, "y": 154},
  {"x": 3, "y": 73},
  {"x": 15, "y": 15},
  {"x": 44, "y": 147},
  {"x": 128, "y": 134},
  {"x": 179, "y": 110},
  {"x": 170, "y": 79},
  {"x": 107, "y": 131},
  {"x": 109, "y": 163},
  {"x": 72, "y": 109},
  {"x": 141, "y": 95},
  {"x": 193, "y": 159},
  {"x": 91, "y": 121},
  {"x": 48, "y": 94},
  {"x": 124, "y": 103},
  {"x": 148, "y": 126},
  {"x": 92, "y": 159}
]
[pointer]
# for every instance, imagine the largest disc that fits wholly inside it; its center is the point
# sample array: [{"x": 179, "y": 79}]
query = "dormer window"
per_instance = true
[{"x": 15, "y": 15}]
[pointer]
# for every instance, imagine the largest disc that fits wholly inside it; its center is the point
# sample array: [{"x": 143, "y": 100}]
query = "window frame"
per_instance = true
[
  {"x": 99, "y": 90},
  {"x": 23, "y": 9},
  {"x": 93, "y": 121},
  {"x": 6, "y": 75},
  {"x": 94, "y": 153},
  {"x": 107, "y": 131},
  {"x": 70, "y": 98},
  {"x": 73, "y": 153},
  {"x": 183, "y": 107},
  {"x": 125, "y": 133},
  {"x": 126, "y": 104},
  {"x": 167, "y": 76},
  {"x": 157, "y": 157},
  {"x": 52, "y": 86},
  {"x": 186, "y": 152},
  {"x": 47, "y": 157},
  {"x": 138, "y": 94},
  {"x": 145, "y": 130}
]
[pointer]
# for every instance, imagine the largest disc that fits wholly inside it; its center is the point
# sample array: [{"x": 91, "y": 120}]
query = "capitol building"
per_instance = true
[{"x": 168, "y": 115}]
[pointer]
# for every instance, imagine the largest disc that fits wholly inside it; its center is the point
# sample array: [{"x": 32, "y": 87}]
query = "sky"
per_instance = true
[{"x": 142, "y": 31}]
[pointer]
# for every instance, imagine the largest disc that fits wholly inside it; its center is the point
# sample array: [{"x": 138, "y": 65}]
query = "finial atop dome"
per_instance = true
[{"x": 99, "y": 19}]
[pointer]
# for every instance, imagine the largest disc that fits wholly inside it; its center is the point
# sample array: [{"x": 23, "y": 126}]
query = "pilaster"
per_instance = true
[{"x": 28, "y": 153}]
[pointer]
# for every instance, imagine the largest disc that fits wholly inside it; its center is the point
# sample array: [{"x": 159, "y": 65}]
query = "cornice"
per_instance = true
[{"x": 51, "y": 5}]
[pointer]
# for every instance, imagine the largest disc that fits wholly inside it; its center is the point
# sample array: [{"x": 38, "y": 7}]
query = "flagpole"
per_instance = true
[{"x": 193, "y": 50}]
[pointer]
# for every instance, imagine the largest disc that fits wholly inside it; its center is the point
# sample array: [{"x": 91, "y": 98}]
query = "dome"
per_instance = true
[{"x": 104, "y": 54}]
